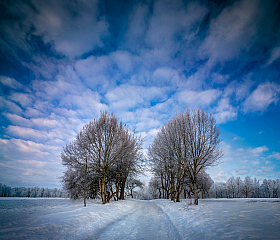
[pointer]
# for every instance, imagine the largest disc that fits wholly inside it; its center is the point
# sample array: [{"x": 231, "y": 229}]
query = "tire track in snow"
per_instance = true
[
  {"x": 172, "y": 226},
  {"x": 147, "y": 221},
  {"x": 100, "y": 231}
]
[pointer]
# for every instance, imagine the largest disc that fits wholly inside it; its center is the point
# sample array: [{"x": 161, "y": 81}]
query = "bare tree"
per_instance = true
[
  {"x": 200, "y": 139},
  {"x": 132, "y": 183},
  {"x": 155, "y": 187},
  {"x": 129, "y": 164},
  {"x": 239, "y": 185},
  {"x": 247, "y": 186},
  {"x": 166, "y": 155},
  {"x": 277, "y": 188},
  {"x": 256, "y": 188},
  {"x": 250, "y": 187},
  {"x": 231, "y": 185},
  {"x": 185, "y": 146},
  {"x": 219, "y": 190},
  {"x": 204, "y": 183},
  {"x": 265, "y": 188},
  {"x": 75, "y": 178},
  {"x": 100, "y": 146}
]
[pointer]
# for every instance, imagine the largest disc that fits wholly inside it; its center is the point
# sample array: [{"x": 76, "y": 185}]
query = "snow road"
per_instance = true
[
  {"x": 151, "y": 223},
  {"x": 138, "y": 219},
  {"x": 65, "y": 219}
]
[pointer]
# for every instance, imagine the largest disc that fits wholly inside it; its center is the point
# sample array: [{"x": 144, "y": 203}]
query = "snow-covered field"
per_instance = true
[{"x": 134, "y": 219}]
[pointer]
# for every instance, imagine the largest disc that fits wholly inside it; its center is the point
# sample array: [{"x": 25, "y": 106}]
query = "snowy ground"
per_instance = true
[{"x": 134, "y": 219}]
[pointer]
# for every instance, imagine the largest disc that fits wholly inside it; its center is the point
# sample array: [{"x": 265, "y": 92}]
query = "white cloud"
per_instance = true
[
  {"x": 94, "y": 70},
  {"x": 137, "y": 26},
  {"x": 218, "y": 173},
  {"x": 238, "y": 90},
  {"x": 146, "y": 119},
  {"x": 72, "y": 36},
  {"x": 275, "y": 54},
  {"x": 10, "y": 82},
  {"x": 128, "y": 96},
  {"x": 57, "y": 88},
  {"x": 225, "y": 112},
  {"x": 232, "y": 31},
  {"x": 170, "y": 20},
  {"x": 18, "y": 120},
  {"x": 275, "y": 155},
  {"x": 166, "y": 76},
  {"x": 153, "y": 132},
  {"x": 8, "y": 105},
  {"x": 26, "y": 133},
  {"x": 24, "y": 99},
  {"x": 26, "y": 148},
  {"x": 242, "y": 162},
  {"x": 264, "y": 171},
  {"x": 194, "y": 99},
  {"x": 87, "y": 104},
  {"x": 258, "y": 150},
  {"x": 124, "y": 61},
  {"x": 106, "y": 71},
  {"x": 44, "y": 122},
  {"x": 262, "y": 97},
  {"x": 147, "y": 124},
  {"x": 243, "y": 89},
  {"x": 242, "y": 171},
  {"x": 36, "y": 163},
  {"x": 219, "y": 78}
]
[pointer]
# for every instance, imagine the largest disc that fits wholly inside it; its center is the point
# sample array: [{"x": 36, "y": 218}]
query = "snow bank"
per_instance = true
[
  {"x": 57, "y": 218},
  {"x": 225, "y": 218},
  {"x": 136, "y": 219}
]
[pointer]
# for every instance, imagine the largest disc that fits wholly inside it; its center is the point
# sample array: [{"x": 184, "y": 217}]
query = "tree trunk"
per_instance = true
[
  {"x": 195, "y": 192},
  {"x": 122, "y": 190},
  {"x": 85, "y": 186},
  {"x": 117, "y": 191},
  {"x": 172, "y": 189},
  {"x": 100, "y": 184},
  {"x": 104, "y": 189},
  {"x": 179, "y": 191},
  {"x": 162, "y": 187}
]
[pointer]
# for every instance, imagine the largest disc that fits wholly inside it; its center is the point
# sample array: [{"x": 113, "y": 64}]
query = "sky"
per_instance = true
[{"x": 62, "y": 62}]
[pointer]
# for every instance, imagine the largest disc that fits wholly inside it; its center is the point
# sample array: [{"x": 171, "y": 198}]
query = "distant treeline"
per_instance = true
[
  {"x": 32, "y": 192},
  {"x": 207, "y": 188},
  {"x": 247, "y": 188}
]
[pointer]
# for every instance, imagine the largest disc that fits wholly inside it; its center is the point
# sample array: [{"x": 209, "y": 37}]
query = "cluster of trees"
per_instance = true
[
  {"x": 182, "y": 149},
  {"x": 33, "y": 192},
  {"x": 103, "y": 160},
  {"x": 105, "y": 157},
  {"x": 247, "y": 188},
  {"x": 204, "y": 186}
]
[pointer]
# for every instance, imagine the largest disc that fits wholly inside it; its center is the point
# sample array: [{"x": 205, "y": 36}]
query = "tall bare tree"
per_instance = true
[
  {"x": 247, "y": 186},
  {"x": 166, "y": 154},
  {"x": 185, "y": 146},
  {"x": 231, "y": 185},
  {"x": 75, "y": 178},
  {"x": 201, "y": 140},
  {"x": 99, "y": 146}
]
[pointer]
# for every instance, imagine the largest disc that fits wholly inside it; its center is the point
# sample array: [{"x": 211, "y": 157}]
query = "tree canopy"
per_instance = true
[{"x": 103, "y": 154}]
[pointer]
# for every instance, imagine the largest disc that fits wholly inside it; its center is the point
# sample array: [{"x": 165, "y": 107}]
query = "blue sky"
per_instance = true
[{"x": 62, "y": 62}]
